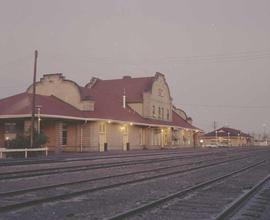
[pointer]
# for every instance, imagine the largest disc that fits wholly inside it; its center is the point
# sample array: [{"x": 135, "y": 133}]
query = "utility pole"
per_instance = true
[
  {"x": 33, "y": 102},
  {"x": 215, "y": 125}
]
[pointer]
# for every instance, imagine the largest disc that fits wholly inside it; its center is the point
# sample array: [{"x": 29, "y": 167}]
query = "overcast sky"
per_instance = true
[{"x": 215, "y": 54}]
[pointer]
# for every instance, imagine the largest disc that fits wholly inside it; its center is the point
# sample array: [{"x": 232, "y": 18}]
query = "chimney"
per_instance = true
[
  {"x": 124, "y": 99},
  {"x": 189, "y": 120},
  {"x": 127, "y": 77}
]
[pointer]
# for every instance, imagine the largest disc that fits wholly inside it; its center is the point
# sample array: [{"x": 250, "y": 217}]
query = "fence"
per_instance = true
[{"x": 25, "y": 150}]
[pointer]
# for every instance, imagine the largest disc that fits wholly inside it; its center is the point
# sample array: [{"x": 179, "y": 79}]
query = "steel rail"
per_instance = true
[
  {"x": 162, "y": 200},
  {"x": 80, "y": 192},
  {"x": 69, "y": 169},
  {"x": 14, "y": 162},
  {"x": 237, "y": 204},
  {"x": 16, "y": 192},
  {"x": 105, "y": 157},
  {"x": 74, "y": 159}
]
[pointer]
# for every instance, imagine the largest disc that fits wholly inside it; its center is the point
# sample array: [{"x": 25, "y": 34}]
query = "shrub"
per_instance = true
[{"x": 22, "y": 141}]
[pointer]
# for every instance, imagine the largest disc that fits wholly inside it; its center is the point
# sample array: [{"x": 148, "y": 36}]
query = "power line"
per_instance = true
[
  {"x": 229, "y": 106},
  {"x": 230, "y": 57}
]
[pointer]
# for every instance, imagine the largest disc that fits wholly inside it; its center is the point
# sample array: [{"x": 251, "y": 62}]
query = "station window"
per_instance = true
[
  {"x": 154, "y": 111},
  {"x": 64, "y": 134},
  {"x": 168, "y": 114},
  {"x": 10, "y": 128}
]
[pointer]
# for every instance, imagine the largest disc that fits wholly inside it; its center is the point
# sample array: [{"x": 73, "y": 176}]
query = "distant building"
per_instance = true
[
  {"x": 116, "y": 114},
  {"x": 226, "y": 137}
]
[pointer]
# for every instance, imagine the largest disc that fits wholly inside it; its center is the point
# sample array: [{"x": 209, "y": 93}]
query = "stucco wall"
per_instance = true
[
  {"x": 159, "y": 97},
  {"x": 55, "y": 84},
  {"x": 138, "y": 107},
  {"x": 134, "y": 137},
  {"x": 114, "y": 137}
]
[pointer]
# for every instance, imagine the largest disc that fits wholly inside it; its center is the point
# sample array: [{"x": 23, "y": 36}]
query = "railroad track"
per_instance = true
[
  {"x": 83, "y": 167},
  {"x": 155, "y": 203},
  {"x": 15, "y": 162},
  {"x": 76, "y": 168},
  {"x": 16, "y": 192},
  {"x": 30, "y": 161},
  {"x": 251, "y": 204},
  {"x": 55, "y": 197}
]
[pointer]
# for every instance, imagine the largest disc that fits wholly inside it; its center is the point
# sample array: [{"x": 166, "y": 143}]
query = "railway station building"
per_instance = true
[
  {"x": 117, "y": 114},
  {"x": 226, "y": 137}
]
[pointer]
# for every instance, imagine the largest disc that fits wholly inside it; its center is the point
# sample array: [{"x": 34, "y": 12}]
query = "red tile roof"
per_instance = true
[
  {"x": 225, "y": 131},
  {"x": 20, "y": 104},
  {"x": 107, "y": 95},
  {"x": 134, "y": 87}
]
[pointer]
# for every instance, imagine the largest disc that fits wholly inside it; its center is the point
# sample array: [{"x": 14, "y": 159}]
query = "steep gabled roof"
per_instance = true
[
  {"x": 107, "y": 108},
  {"x": 133, "y": 87},
  {"x": 20, "y": 104},
  {"x": 108, "y": 97}
]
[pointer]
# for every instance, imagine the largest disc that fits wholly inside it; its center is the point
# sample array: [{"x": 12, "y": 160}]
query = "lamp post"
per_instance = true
[
  {"x": 32, "y": 140},
  {"x": 216, "y": 138},
  {"x": 228, "y": 138}
]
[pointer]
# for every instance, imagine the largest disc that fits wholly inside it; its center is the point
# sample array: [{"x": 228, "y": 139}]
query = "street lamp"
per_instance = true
[
  {"x": 201, "y": 142},
  {"x": 228, "y": 138}
]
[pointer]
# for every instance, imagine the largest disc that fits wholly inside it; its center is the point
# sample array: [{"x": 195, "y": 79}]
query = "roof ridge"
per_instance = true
[{"x": 147, "y": 77}]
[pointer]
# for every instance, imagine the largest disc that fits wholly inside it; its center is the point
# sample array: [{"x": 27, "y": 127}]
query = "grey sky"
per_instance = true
[{"x": 215, "y": 53}]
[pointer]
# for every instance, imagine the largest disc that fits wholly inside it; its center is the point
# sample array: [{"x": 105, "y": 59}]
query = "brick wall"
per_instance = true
[{"x": 2, "y": 135}]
